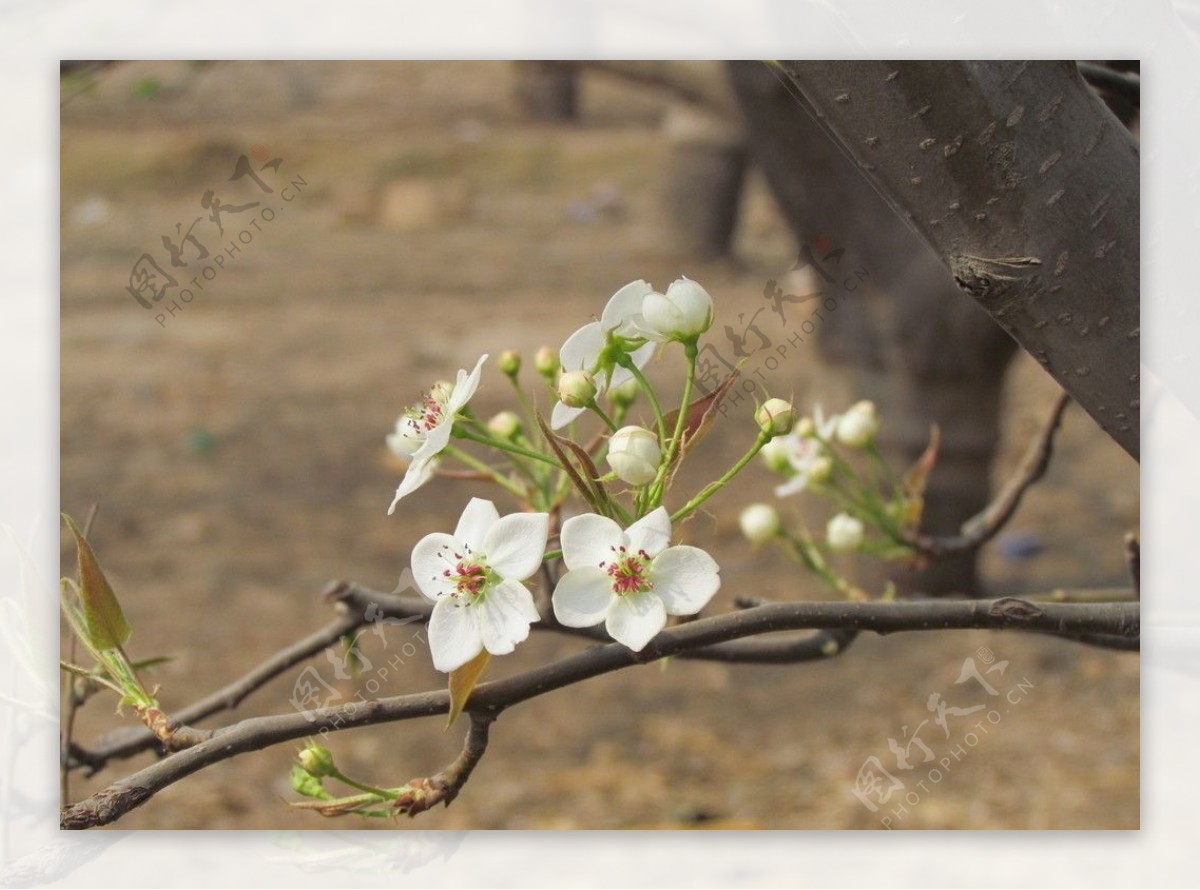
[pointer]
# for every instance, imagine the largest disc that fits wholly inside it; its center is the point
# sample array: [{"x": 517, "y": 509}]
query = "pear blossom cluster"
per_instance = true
[
  {"x": 878, "y": 512},
  {"x": 619, "y": 565}
]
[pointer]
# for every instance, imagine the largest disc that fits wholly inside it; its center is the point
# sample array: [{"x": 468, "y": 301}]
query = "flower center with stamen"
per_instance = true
[
  {"x": 628, "y": 571},
  {"x": 425, "y": 415},
  {"x": 469, "y": 575}
]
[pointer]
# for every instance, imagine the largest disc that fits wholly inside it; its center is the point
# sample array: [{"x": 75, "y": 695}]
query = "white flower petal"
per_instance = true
[
  {"x": 582, "y": 349},
  {"x": 404, "y": 442},
  {"x": 453, "y": 634},
  {"x": 623, "y": 306},
  {"x": 562, "y": 415},
  {"x": 635, "y": 619},
  {"x": 795, "y": 485},
  {"x": 583, "y": 597},
  {"x": 479, "y": 516},
  {"x": 651, "y": 533},
  {"x": 589, "y": 540},
  {"x": 419, "y": 472},
  {"x": 429, "y": 561},
  {"x": 436, "y": 440},
  {"x": 685, "y": 579},
  {"x": 464, "y": 387},
  {"x": 504, "y": 615},
  {"x": 641, "y": 357},
  {"x": 514, "y": 546}
]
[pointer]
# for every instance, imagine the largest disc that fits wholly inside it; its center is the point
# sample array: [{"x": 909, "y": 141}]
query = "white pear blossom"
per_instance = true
[
  {"x": 423, "y": 431},
  {"x": 584, "y": 349},
  {"x": 684, "y": 312},
  {"x": 806, "y": 463},
  {"x": 634, "y": 455},
  {"x": 818, "y": 425},
  {"x": 759, "y": 523},
  {"x": 858, "y": 426},
  {"x": 844, "y": 532},
  {"x": 474, "y": 579},
  {"x": 630, "y": 579}
]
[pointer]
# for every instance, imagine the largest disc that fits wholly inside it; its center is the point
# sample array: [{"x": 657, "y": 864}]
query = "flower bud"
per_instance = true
[
  {"x": 774, "y": 417},
  {"x": 506, "y": 425},
  {"x": 316, "y": 760},
  {"x": 759, "y": 523},
  {"x": 625, "y": 394},
  {"x": 545, "y": 360},
  {"x": 844, "y": 532},
  {"x": 683, "y": 313},
  {"x": 776, "y": 454},
  {"x": 857, "y": 427},
  {"x": 820, "y": 469},
  {"x": 576, "y": 389},
  {"x": 509, "y": 362},
  {"x": 634, "y": 455},
  {"x": 805, "y": 427}
]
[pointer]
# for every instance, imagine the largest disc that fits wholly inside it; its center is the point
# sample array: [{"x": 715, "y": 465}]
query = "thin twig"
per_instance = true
[
  {"x": 986, "y": 524},
  {"x": 109, "y": 804},
  {"x": 132, "y": 740}
]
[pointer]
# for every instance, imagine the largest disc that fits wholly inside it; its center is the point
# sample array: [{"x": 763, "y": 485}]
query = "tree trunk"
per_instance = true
[
  {"x": 1026, "y": 187},
  {"x": 904, "y": 335}
]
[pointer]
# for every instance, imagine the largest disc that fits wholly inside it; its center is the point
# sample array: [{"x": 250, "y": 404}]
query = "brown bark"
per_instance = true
[
  {"x": 1026, "y": 186},
  {"x": 904, "y": 335}
]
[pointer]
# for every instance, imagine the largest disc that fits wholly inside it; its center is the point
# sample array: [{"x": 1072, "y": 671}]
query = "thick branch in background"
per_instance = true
[{"x": 1026, "y": 186}]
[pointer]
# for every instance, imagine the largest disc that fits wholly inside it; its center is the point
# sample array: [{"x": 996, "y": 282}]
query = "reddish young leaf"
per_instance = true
[{"x": 102, "y": 615}]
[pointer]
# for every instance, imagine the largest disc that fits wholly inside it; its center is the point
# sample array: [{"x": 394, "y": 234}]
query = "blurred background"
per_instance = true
[{"x": 426, "y": 213}]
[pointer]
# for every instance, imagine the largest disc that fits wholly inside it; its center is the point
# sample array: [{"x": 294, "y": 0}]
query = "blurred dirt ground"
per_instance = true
[{"x": 237, "y": 454}]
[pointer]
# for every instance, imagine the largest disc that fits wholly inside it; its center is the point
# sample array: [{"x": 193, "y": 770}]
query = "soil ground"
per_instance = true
[{"x": 237, "y": 455}]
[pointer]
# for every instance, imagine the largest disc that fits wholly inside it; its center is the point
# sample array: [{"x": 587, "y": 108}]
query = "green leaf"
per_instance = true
[
  {"x": 102, "y": 616},
  {"x": 587, "y": 488},
  {"x": 462, "y": 683}
]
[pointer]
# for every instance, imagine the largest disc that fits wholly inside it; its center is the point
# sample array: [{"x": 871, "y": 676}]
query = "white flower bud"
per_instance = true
[
  {"x": 857, "y": 427},
  {"x": 509, "y": 362},
  {"x": 506, "y": 425},
  {"x": 576, "y": 389},
  {"x": 820, "y": 469},
  {"x": 776, "y": 454},
  {"x": 634, "y": 455},
  {"x": 759, "y": 522},
  {"x": 844, "y": 532},
  {"x": 804, "y": 427},
  {"x": 774, "y": 416},
  {"x": 626, "y": 394},
  {"x": 545, "y": 360},
  {"x": 684, "y": 312}
]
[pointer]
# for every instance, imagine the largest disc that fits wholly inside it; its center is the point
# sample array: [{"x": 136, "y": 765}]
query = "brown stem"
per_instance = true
[{"x": 986, "y": 524}]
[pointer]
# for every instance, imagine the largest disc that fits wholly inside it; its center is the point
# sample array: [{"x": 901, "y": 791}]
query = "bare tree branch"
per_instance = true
[
  {"x": 491, "y": 699},
  {"x": 985, "y": 525}
]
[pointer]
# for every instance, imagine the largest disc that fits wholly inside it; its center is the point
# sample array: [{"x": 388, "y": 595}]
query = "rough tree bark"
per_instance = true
[
  {"x": 904, "y": 335},
  {"x": 1026, "y": 186}
]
